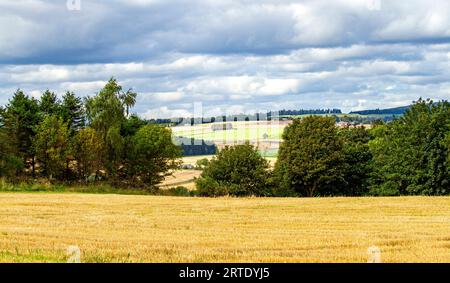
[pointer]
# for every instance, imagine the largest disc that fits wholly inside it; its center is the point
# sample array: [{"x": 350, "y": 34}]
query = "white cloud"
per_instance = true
[
  {"x": 165, "y": 112},
  {"x": 163, "y": 96},
  {"x": 83, "y": 87}
]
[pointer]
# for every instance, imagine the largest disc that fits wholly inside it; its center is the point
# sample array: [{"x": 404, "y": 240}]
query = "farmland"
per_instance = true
[
  {"x": 183, "y": 178},
  {"x": 241, "y": 131},
  {"x": 250, "y": 130},
  {"x": 38, "y": 227},
  {"x": 265, "y": 135}
]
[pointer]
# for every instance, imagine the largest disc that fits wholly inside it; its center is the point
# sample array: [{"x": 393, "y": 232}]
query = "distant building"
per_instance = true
[{"x": 222, "y": 127}]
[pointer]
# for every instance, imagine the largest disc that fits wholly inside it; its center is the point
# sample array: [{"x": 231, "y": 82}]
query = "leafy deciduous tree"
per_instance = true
[
  {"x": 410, "y": 154},
  {"x": 357, "y": 159},
  {"x": 310, "y": 158},
  {"x": 106, "y": 114},
  {"x": 153, "y": 155},
  {"x": 238, "y": 170},
  {"x": 88, "y": 150},
  {"x": 52, "y": 146}
]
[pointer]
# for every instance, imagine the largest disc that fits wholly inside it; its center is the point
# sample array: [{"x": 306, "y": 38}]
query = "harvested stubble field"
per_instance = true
[
  {"x": 185, "y": 178},
  {"x": 38, "y": 227}
]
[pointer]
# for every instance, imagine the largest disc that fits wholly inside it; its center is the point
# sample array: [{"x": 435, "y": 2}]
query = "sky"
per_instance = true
[{"x": 230, "y": 56}]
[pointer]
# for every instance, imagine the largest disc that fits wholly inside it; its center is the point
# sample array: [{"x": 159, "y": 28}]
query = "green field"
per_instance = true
[{"x": 241, "y": 131}]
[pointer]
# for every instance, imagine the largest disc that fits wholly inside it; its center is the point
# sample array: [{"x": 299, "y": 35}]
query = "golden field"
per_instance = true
[
  {"x": 38, "y": 227},
  {"x": 185, "y": 178}
]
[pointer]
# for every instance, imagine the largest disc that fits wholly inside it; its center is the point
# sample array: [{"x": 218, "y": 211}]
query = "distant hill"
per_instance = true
[
  {"x": 244, "y": 117},
  {"x": 388, "y": 111}
]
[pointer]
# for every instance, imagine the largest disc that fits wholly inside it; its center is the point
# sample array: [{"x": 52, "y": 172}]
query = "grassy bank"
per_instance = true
[{"x": 90, "y": 188}]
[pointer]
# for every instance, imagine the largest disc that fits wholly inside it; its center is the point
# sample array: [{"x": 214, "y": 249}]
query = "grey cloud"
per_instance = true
[
  {"x": 124, "y": 31},
  {"x": 236, "y": 55}
]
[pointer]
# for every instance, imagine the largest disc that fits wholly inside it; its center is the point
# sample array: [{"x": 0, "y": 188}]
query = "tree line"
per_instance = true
[
  {"x": 285, "y": 112},
  {"x": 408, "y": 156},
  {"x": 96, "y": 139},
  {"x": 268, "y": 116},
  {"x": 390, "y": 111},
  {"x": 83, "y": 140}
]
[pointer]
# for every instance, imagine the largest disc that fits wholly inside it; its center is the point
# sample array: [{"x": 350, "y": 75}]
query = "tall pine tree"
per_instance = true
[
  {"x": 72, "y": 112},
  {"x": 20, "y": 121}
]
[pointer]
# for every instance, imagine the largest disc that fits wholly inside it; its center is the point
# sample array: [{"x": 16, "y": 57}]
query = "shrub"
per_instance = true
[
  {"x": 238, "y": 170},
  {"x": 389, "y": 188},
  {"x": 202, "y": 163},
  {"x": 178, "y": 191},
  {"x": 207, "y": 186}
]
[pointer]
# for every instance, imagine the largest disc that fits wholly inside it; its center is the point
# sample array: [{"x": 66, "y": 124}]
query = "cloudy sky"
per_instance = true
[{"x": 231, "y": 55}]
